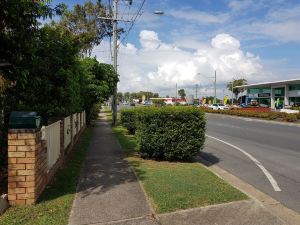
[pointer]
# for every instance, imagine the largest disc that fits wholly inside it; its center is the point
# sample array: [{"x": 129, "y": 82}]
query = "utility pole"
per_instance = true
[
  {"x": 176, "y": 94},
  {"x": 215, "y": 97},
  {"x": 196, "y": 90},
  {"x": 232, "y": 91},
  {"x": 115, "y": 62}
]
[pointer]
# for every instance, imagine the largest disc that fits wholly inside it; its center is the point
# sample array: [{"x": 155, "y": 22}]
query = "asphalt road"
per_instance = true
[{"x": 276, "y": 147}]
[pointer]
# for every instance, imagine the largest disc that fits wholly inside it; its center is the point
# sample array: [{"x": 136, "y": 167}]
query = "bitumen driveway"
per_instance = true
[{"x": 275, "y": 147}]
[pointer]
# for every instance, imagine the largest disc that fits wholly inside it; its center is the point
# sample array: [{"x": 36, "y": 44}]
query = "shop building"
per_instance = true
[{"x": 274, "y": 94}]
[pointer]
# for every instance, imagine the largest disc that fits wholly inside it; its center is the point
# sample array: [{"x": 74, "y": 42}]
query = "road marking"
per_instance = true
[{"x": 263, "y": 169}]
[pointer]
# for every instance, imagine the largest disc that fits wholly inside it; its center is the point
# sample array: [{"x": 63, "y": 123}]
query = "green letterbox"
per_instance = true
[{"x": 18, "y": 120}]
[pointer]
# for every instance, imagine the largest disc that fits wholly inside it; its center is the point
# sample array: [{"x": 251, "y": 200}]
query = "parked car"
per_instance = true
[{"x": 218, "y": 107}]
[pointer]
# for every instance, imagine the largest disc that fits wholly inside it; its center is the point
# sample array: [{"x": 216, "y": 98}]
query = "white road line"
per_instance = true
[{"x": 263, "y": 169}]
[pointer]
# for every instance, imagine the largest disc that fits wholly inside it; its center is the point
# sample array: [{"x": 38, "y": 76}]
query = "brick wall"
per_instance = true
[
  {"x": 28, "y": 174},
  {"x": 27, "y": 166}
]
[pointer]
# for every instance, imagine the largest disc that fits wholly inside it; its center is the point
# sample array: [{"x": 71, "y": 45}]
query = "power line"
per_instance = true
[{"x": 133, "y": 21}]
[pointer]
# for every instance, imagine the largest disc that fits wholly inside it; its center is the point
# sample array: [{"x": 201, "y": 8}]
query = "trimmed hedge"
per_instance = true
[
  {"x": 128, "y": 119},
  {"x": 170, "y": 133}
]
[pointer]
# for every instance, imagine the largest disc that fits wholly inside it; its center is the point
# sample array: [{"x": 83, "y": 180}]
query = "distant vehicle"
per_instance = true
[
  {"x": 146, "y": 103},
  {"x": 125, "y": 103},
  {"x": 132, "y": 104},
  {"x": 254, "y": 102},
  {"x": 218, "y": 107},
  {"x": 263, "y": 106}
]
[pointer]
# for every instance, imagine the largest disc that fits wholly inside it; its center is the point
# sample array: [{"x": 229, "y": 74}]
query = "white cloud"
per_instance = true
[
  {"x": 239, "y": 4},
  {"x": 225, "y": 42},
  {"x": 199, "y": 17},
  {"x": 158, "y": 66},
  {"x": 149, "y": 40}
]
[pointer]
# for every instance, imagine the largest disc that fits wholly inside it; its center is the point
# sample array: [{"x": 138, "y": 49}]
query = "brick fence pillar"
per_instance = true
[{"x": 27, "y": 166}]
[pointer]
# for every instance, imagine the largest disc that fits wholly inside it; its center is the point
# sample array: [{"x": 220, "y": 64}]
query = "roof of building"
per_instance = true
[{"x": 274, "y": 83}]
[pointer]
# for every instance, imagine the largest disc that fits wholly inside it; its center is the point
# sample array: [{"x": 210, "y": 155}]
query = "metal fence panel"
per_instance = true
[
  {"x": 52, "y": 133},
  {"x": 67, "y": 131}
]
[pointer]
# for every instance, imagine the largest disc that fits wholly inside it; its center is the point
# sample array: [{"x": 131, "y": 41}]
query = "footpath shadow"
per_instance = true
[
  {"x": 102, "y": 175},
  {"x": 208, "y": 159}
]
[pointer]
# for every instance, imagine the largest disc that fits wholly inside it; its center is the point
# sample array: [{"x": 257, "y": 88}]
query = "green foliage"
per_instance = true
[
  {"x": 181, "y": 93},
  {"x": 128, "y": 119},
  {"x": 158, "y": 102},
  {"x": 234, "y": 83},
  {"x": 291, "y": 118},
  {"x": 170, "y": 133},
  {"x": 83, "y": 20},
  {"x": 55, "y": 203}
]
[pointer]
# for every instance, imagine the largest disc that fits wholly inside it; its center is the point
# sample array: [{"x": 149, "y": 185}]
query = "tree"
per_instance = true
[
  {"x": 127, "y": 96},
  {"x": 234, "y": 83},
  {"x": 83, "y": 21},
  {"x": 120, "y": 96},
  {"x": 181, "y": 93}
]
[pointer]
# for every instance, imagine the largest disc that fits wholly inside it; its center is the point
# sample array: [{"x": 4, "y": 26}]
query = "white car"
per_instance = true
[{"x": 218, "y": 107}]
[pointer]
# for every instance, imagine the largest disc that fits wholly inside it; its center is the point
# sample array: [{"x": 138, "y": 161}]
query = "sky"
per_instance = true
[{"x": 258, "y": 40}]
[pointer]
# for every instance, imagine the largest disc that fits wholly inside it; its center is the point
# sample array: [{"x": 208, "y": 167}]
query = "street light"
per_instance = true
[{"x": 215, "y": 85}]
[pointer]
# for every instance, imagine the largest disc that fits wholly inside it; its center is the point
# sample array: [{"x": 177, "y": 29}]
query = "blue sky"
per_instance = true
[{"x": 255, "y": 39}]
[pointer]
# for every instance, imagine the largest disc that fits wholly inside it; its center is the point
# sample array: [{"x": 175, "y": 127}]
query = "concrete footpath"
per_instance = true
[{"x": 109, "y": 193}]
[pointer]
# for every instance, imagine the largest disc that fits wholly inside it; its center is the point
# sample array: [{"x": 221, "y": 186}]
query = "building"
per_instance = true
[{"x": 274, "y": 94}]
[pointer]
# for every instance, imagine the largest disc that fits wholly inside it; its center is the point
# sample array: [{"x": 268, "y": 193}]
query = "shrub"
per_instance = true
[
  {"x": 291, "y": 118},
  {"x": 128, "y": 119},
  {"x": 170, "y": 133},
  {"x": 158, "y": 102}
]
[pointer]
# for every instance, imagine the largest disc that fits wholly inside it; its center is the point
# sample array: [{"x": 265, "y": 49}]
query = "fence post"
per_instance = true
[
  {"x": 71, "y": 127},
  {"x": 62, "y": 140},
  {"x": 27, "y": 166}
]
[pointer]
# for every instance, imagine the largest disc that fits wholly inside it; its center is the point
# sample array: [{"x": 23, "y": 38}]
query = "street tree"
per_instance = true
[
  {"x": 181, "y": 93},
  {"x": 84, "y": 22},
  {"x": 235, "y": 83}
]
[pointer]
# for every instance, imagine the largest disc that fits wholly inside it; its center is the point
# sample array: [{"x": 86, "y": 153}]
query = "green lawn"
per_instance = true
[
  {"x": 174, "y": 186},
  {"x": 55, "y": 204}
]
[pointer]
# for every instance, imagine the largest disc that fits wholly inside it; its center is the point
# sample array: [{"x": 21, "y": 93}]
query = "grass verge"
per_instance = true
[
  {"x": 55, "y": 203},
  {"x": 173, "y": 185}
]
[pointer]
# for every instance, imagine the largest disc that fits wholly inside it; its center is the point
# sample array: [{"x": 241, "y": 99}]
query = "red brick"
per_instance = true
[
  {"x": 16, "y": 166},
  {"x": 25, "y": 196},
  {"x": 12, "y": 173},
  {"x": 16, "y": 191},
  {"x": 12, "y": 185},
  {"x": 16, "y": 154},
  {"x": 16, "y": 178},
  {"x": 12, "y": 136},
  {"x": 30, "y": 201},
  {"x": 16, "y": 142},
  {"x": 26, "y": 160},
  {"x": 26, "y": 172},
  {"x": 30, "y": 142},
  {"x": 12, "y": 160},
  {"x": 20, "y": 202},
  {"x": 29, "y": 178},
  {"x": 26, "y": 184},
  {"x": 30, "y": 166},
  {"x": 11, "y": 197},
  {"x": 26, "y": 136},
  {"x": 30, "y": 154},
  {"x": 12, "y": 148},
  {"x": 30, "y": 190},
  {"x": 26, "y": 148}
]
